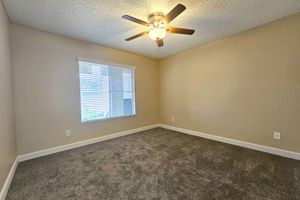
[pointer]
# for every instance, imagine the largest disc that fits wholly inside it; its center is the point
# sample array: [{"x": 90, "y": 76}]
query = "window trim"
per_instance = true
[{"x": 113, "y": 65}]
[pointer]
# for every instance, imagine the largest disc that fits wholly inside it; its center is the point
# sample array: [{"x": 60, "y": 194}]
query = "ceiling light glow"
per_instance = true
[{"x": 157, "y": 33}]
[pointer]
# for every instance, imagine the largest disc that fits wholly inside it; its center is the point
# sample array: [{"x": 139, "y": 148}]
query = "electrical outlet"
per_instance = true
[
  {"x": 68, "y": 132},
  {"x": 173, "y": 119},
  {"x": 276, "y": 135}
]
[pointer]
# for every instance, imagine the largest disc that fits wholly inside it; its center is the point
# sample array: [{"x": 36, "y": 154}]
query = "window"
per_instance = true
[{"x": 106, "y": 91}]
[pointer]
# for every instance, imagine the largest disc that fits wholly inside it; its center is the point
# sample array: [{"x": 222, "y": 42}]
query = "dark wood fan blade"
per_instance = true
[
  {"x": 160, "y": 43},
  {"x": 136, "y": 36},
  {"x": 136, "y": 20},
  {"x": 180, "y": 30},
  {"x": 174, "y": 13}
]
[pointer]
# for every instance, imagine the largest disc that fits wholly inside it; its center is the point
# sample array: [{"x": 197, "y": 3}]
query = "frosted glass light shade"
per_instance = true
[{"x": 157, "y": 33}]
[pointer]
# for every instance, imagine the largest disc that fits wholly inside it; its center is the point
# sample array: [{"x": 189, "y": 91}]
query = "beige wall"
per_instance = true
[
  {"x": 243, "y": 87},
  {"x": 47, "y": 98},
  {"x": 7, "y": 130}
]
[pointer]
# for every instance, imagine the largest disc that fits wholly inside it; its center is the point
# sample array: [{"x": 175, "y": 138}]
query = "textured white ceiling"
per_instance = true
[{"x": 100, "y": 21}]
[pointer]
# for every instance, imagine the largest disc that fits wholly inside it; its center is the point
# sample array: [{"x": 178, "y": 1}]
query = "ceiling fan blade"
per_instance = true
[
  {"x": 136, "y": 20},
  {"x": 137, "y": 35},
  {"x": 180, "y": 30},
  {"x": 174, "y": 13},
  {"x": 160, "y": 43}
]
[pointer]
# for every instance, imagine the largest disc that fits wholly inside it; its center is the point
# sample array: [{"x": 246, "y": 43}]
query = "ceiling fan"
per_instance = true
[{"x": 158, "y": 25}]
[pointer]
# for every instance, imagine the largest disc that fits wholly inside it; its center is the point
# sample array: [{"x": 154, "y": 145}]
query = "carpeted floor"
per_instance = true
[{"x": 157, "y": 164}]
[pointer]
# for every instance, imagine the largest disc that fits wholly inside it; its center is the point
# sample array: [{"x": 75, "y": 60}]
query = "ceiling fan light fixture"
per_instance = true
[
  {"x": 157, "y": 33},
  {"x": 158, "y": 25}
]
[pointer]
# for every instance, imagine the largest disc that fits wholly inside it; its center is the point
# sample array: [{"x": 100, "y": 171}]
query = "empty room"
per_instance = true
[{"x": 150, "y": 99}]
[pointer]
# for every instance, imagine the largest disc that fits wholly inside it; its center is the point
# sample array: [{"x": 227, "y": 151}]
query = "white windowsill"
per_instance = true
[{"x": 106, "y": 119}]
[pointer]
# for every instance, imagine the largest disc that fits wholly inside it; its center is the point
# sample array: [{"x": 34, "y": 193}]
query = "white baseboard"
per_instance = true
[
  {"x": 82, "y": 143},
  {"x": 271, "y": 150},
  {"x": 8, "y": 180}
]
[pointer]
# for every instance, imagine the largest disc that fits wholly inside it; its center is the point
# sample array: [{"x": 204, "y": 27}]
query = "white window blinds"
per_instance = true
[{"x": 106, "y": 91}]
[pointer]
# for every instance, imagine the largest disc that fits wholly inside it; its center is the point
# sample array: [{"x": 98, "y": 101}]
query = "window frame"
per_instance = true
[{"x": 133, "y": 68}]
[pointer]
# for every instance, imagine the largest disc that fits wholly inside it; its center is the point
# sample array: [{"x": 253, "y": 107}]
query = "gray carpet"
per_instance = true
[{"x": 157, "y": 164}]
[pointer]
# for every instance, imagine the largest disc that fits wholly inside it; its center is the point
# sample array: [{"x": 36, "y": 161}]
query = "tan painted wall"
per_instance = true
[
  {"x": 47, "y": 98},
  {"x": 7, "y": 130},
  {"x": 243, "y": 87}
]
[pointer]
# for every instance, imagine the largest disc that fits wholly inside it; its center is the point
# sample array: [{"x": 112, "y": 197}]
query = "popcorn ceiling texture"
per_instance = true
[{"x": 99, "y": 21}]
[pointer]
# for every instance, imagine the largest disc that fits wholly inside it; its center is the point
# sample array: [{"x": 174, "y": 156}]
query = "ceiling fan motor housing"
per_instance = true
[{"x": 156, "y": 18}]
